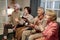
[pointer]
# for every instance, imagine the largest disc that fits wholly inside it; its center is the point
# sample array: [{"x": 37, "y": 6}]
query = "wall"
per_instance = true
[
  {"x": 2, "y": 6},
  {"x": 22, "y": 3}
]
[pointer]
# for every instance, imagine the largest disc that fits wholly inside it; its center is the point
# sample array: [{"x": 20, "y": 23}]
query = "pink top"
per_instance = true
[{"x": 51, "y": 31}]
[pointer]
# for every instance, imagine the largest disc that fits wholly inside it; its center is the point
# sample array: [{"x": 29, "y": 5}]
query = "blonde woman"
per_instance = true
[{"x": 51, "y": 30}]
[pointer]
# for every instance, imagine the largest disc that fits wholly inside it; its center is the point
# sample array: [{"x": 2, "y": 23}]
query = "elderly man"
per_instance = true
[{"x": 11, "y": 24}]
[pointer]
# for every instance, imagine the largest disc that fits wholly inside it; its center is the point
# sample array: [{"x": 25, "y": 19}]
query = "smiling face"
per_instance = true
[
  {"x": 25, "y": 11},
  {"x": 50, "y": 15},
  {"x": 40, "y": 11},
  {"x": 47, "y": 17}
]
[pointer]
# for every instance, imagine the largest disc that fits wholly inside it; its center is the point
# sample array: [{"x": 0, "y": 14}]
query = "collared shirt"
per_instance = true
[
  {"x": 29, "y": 17},
  {"x": 40, "y": 24},
  {"x": 13, "y": 16},
  {"x": 51, "y": 31}
]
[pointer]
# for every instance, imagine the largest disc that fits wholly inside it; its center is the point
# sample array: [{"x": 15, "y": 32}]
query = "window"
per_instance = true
[
  {"x": 52, "y": 5},
  {"x": 57, "y": 5},
  {"x": 49, "y": 5},
  {"x": 58, "y": 13},
  {"x": 43, "y": 4}
]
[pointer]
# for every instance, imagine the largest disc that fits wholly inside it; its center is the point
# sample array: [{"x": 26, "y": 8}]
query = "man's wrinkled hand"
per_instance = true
[
  {"x": 41, "y": 38},
  {"x": 16, "y": 19},
  {"x": 32, "y": 25}
]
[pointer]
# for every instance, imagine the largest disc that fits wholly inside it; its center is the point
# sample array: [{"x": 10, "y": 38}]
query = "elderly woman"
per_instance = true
[
  {"x": 51, "y": 30},
  {"x": 36, "y": 26},
  {"x": 25, "y": 20}
]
